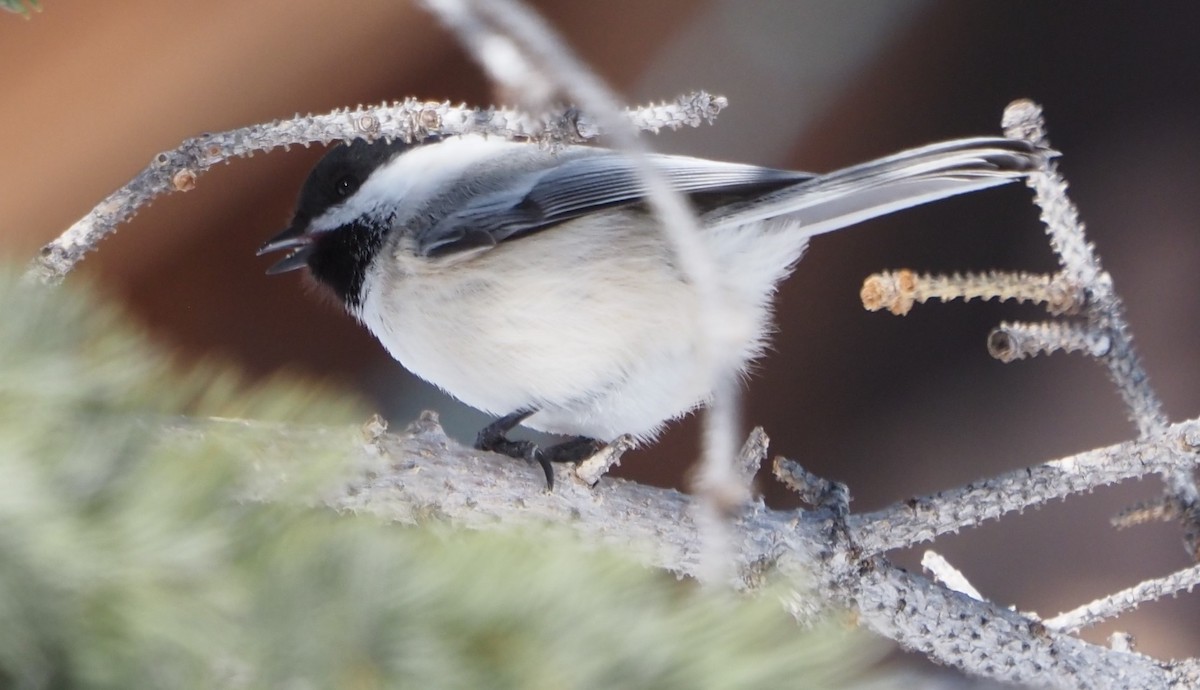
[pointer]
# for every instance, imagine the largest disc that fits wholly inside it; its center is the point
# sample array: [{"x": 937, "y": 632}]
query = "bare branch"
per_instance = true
[
  {"x": 595, "y": 467},
  {"x": 410, "y": 120},
  {"x": 899, "y": 291},
  {"x": 1009, "y": 342},
  {"x": 1104, "y": 334},
  {"x": 1105, "y": 312},
  {"x": 813, "y": 490},
  {"x": 990, "y": 640},
  {"x": 753, "y": 453},
  {"x": 921, "y": 519},
  {"x": 948, "y": 575},
  {"x": 1126, "y": 600},
  {"x": 421, "y": 474},
  {"x": 1023, "y": 120}
]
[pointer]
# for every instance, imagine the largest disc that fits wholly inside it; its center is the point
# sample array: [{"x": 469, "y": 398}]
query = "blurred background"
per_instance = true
[{"x": 892, "y": 406}]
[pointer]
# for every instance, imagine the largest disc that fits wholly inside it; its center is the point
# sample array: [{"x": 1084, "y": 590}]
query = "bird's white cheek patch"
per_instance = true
[{"x": 416, "y": 174}]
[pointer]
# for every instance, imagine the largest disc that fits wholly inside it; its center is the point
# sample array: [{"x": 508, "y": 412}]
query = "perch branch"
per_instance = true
[{"x": 421, "y": 475}]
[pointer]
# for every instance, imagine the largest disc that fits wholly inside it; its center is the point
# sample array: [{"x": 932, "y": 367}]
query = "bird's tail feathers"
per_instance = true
[{"x": 910, "y": 178}]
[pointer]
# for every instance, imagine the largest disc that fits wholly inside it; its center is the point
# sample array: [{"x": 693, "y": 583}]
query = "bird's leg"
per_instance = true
[{"x": 493, "y": 438}]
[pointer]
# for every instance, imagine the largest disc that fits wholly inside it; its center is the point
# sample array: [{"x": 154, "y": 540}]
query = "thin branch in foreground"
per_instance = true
[
  {"x": 525, "y": 54},
  {"x": 1023, "y": 120},
  {"x": 410, "y": 120}
]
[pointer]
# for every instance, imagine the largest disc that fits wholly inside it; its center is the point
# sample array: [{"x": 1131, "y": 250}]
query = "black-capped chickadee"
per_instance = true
[{"x": 536, "y": 286}]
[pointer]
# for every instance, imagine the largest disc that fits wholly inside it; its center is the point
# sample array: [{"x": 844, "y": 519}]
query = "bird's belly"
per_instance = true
[
  {"x": 603, "y": 338},
  {"x": 597, "y": 358}
]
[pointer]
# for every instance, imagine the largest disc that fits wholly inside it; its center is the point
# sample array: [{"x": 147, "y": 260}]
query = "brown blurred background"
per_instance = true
[{"x": 894, "y": 407}]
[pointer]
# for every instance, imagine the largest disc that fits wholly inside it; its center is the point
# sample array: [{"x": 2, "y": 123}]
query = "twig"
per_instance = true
[
  {"x": 1121, "y": 642},
  {"x": 1167, "y": 507},
  {"x": 1009, "y": 342},
  {"x": 898, "y": 291},
  {"x": 1105, "y": 312},
  {"x": 1023, "y": 120},
  {"x": 750, "y": 457},
  {"x": 1160, "y": 509},
  {"x": 948, "y": 575},
  {"x": 595, "y": 467},
  {"x": 1082, "y": 286},
  {"x": 813, "y": 490},
  {"x": 921, "y": 519},
  {"x": 411, "y": 120},
  {"x": 1127, "y": 599}
]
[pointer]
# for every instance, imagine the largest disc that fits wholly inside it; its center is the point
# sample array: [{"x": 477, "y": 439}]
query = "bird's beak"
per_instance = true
[{"x": 295, "y": 238}]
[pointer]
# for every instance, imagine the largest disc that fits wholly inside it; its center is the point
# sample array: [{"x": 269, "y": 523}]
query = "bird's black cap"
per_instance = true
[{"x": 338, "y": 257}]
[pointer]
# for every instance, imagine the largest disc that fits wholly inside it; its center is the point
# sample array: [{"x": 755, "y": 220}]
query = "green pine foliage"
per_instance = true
[
  {"x": 128, "y": 560},
  {"x": 21, "y": 6}
]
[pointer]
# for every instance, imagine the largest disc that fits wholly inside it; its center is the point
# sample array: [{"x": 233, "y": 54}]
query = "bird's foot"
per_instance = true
[{"x": 493, "y": 437}]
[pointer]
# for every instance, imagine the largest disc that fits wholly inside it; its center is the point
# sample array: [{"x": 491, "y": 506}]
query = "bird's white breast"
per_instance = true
[{"x": 591, "y": 324}]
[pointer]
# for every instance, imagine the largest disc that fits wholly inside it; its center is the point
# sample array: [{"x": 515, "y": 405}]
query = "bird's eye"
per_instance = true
[{"x": 345, "y": 185}]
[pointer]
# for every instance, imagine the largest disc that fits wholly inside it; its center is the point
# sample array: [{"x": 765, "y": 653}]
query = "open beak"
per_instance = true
[{"x": 294, "y": 238}]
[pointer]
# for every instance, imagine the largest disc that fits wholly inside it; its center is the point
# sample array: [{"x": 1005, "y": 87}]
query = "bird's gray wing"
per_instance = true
[{"x": 574, "y": 187}]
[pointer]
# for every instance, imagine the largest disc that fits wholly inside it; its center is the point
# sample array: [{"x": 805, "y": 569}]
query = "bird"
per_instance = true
[{"x": 536, "y": 285}]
